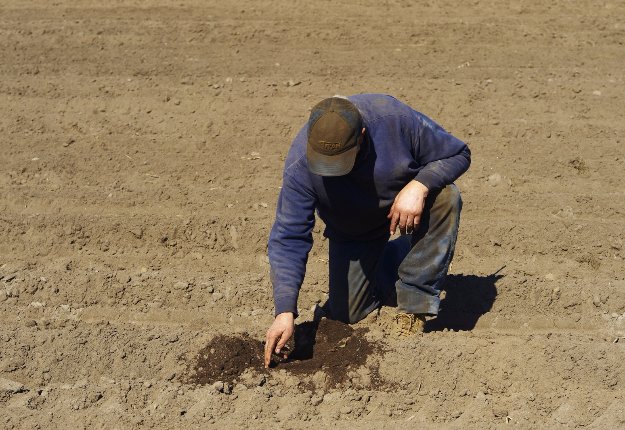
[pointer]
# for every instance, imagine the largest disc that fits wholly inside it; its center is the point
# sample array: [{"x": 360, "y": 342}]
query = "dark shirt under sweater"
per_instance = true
[{"x": 400, "y": 145}]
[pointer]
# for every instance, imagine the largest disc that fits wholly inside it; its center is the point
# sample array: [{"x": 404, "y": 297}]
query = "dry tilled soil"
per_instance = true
[{"x": 142, "y": 146}]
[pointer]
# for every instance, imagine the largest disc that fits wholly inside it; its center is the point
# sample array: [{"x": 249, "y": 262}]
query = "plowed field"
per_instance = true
[{"x": 142, "y": 146}]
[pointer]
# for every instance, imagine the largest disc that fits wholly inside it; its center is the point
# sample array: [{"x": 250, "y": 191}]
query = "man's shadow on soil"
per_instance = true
[
  {"x": 304, "y": 337},
  {"x": 467, "y": 298}
]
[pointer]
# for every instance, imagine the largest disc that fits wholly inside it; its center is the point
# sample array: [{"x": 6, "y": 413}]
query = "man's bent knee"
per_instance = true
[{"x": 450, "y": 196}]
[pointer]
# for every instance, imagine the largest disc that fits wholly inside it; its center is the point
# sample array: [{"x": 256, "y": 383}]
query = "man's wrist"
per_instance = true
[
  {"x": 424, "y": 187},
  {"x": 284, "y": 306},
  {"x": 286, "y": 315},
  {"x": 428, "y": 179}
]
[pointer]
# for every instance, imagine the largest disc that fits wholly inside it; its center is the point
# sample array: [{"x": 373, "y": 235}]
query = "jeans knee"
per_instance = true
[
  {"x": 451, "y": 196},
  {"x": 456, "y": 199}
]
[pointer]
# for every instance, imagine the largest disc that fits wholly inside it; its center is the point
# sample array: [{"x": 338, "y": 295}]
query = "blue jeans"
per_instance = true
[{"x": 411, "y": 268}]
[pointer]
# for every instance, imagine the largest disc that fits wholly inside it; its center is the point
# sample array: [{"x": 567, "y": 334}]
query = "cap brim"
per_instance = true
[{"x": 331, "y": 165}]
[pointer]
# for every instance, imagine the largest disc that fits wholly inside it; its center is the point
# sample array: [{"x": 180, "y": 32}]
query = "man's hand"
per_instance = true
[
  {"x": 280, "y": 331},
  {"x": 408, "y": 207}
]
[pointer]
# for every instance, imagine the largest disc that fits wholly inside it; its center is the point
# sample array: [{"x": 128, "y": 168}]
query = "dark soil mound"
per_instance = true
[
  {"x": 330, "y": 346},
  {"x": 225, "y": 358}
]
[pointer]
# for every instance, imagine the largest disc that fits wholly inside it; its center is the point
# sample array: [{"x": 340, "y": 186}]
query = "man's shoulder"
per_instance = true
[{"x": 377, "y": 106}]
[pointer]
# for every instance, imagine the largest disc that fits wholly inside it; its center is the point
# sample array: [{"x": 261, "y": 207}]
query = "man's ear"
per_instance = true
[{"x": 361, "y": 137}]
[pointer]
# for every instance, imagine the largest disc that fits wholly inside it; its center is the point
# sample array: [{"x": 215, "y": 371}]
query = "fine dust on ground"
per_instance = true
[{"x": 142, "y": 147}]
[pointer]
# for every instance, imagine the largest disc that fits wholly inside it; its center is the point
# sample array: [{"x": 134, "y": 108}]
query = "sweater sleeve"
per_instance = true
[
  {"x": 290, "y": 241},
  {"x": 443, "y": 156}
]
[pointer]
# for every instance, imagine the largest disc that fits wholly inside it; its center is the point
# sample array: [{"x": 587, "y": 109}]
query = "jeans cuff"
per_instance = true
[{"x": 412, "y": 301}]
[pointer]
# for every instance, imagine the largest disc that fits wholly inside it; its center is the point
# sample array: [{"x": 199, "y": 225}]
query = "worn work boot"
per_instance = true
[{"x": 404, "y": 325}]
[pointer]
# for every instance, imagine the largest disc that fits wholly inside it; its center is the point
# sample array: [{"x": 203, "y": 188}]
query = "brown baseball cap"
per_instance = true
[{"x": 333, "y": 129}]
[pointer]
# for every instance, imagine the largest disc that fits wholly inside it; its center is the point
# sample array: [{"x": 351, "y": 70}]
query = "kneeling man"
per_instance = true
[{"x": 367, "y": 164}]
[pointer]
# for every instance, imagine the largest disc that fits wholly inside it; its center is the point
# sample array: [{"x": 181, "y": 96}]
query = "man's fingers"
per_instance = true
[
  {"x": 403, "y": 223},
  {"x": 394, "y": 221},
  {"x": 390, "y": 213},
  {"x": 416, "y": 221},
  {"x": 279, "y": 332},
  {"x": 268, "y": 349},
  {"x": 409, "y": 224},
  {"x": 281, "y": 343},
  {"x": 270, "y": 343}
]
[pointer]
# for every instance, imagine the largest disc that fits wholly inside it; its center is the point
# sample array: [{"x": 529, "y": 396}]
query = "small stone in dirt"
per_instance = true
[
  {"x": 137, "y": 232},
  {"x": 69, "y": 142},
  {"x": 94, "y": 397},
  {"x": 180, "y": 285},
  {"x": 240, "y": 387},
  {"x": 219, "y": 386},
  {"x": 123, "y": 278},
  {"x": 30, "y": 323},
  {"x": 316, "y": 400}
]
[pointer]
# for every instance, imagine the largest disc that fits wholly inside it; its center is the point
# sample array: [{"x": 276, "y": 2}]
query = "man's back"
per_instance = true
[{"x": 399, "y": 142}]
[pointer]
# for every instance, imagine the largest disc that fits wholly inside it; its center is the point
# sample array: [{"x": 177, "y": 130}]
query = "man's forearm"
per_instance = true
[
  {"x": 286, "y": 277},
  {"x": 437, "y": 174},
  {"x": 290, "y": 241}
]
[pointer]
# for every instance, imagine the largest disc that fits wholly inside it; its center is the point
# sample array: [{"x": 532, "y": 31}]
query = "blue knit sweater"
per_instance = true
[{"x": 400, "y": 145}]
